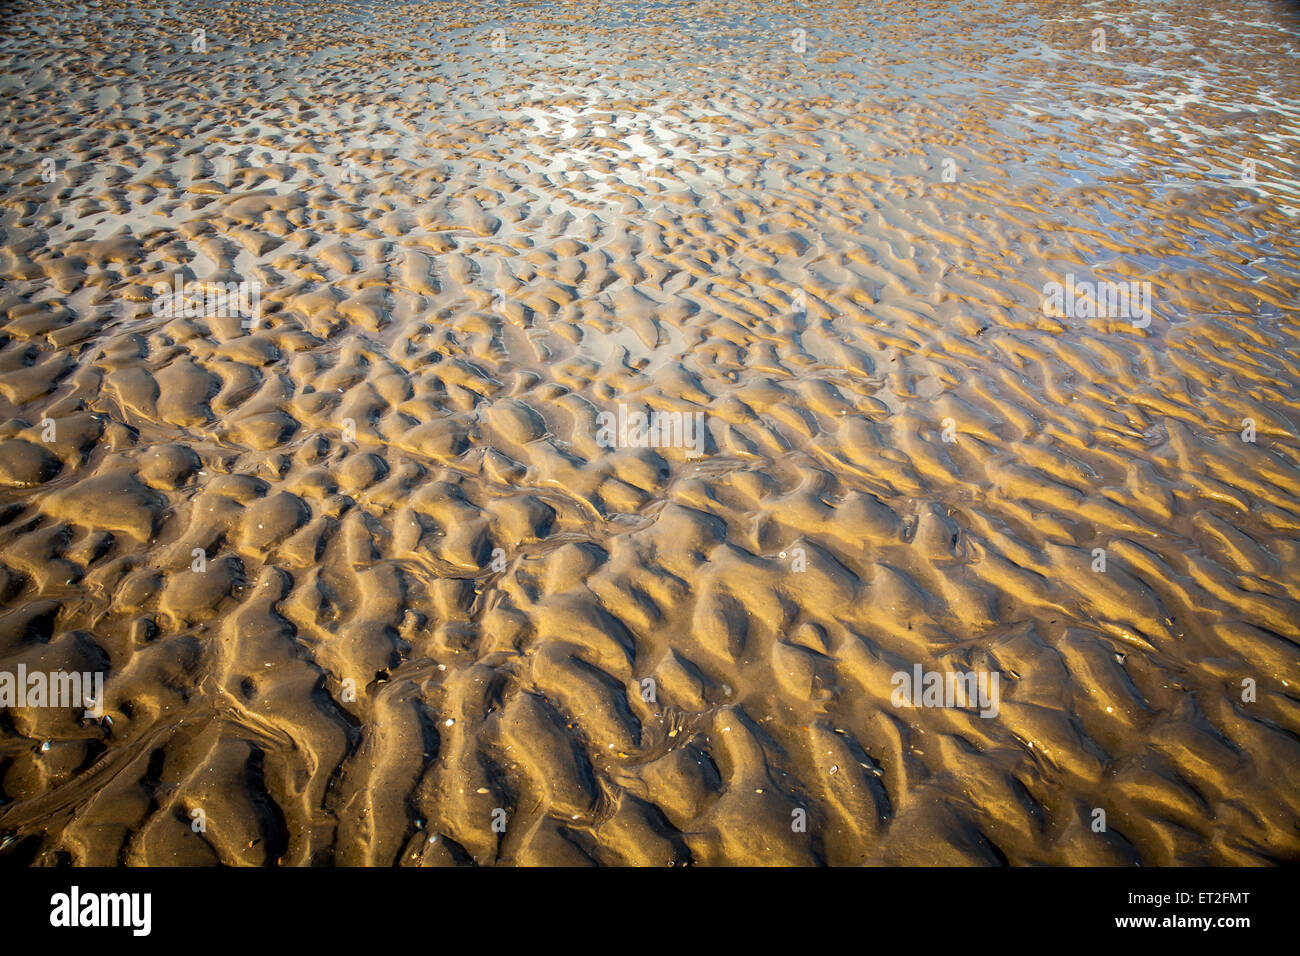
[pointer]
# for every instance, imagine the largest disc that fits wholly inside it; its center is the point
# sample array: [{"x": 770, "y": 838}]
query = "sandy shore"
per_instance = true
[{"x": 380, "y": 566}]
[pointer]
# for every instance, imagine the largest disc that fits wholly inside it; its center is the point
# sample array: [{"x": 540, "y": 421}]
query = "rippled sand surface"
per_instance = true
[{"x": 366, "y": 587}]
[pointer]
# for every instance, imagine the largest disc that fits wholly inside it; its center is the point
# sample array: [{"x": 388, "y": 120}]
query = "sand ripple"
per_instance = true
[{"x": 429, "y": 601}]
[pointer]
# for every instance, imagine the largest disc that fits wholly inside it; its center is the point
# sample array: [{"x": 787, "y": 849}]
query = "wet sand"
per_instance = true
[{"x": 367, "y": 587}]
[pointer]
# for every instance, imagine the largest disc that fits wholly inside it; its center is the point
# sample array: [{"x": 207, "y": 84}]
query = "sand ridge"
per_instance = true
[{"x": 437, "y": 621}]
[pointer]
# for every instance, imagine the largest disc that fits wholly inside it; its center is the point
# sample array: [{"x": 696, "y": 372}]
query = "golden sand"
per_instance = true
[{"x": 364, "y": 580}]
